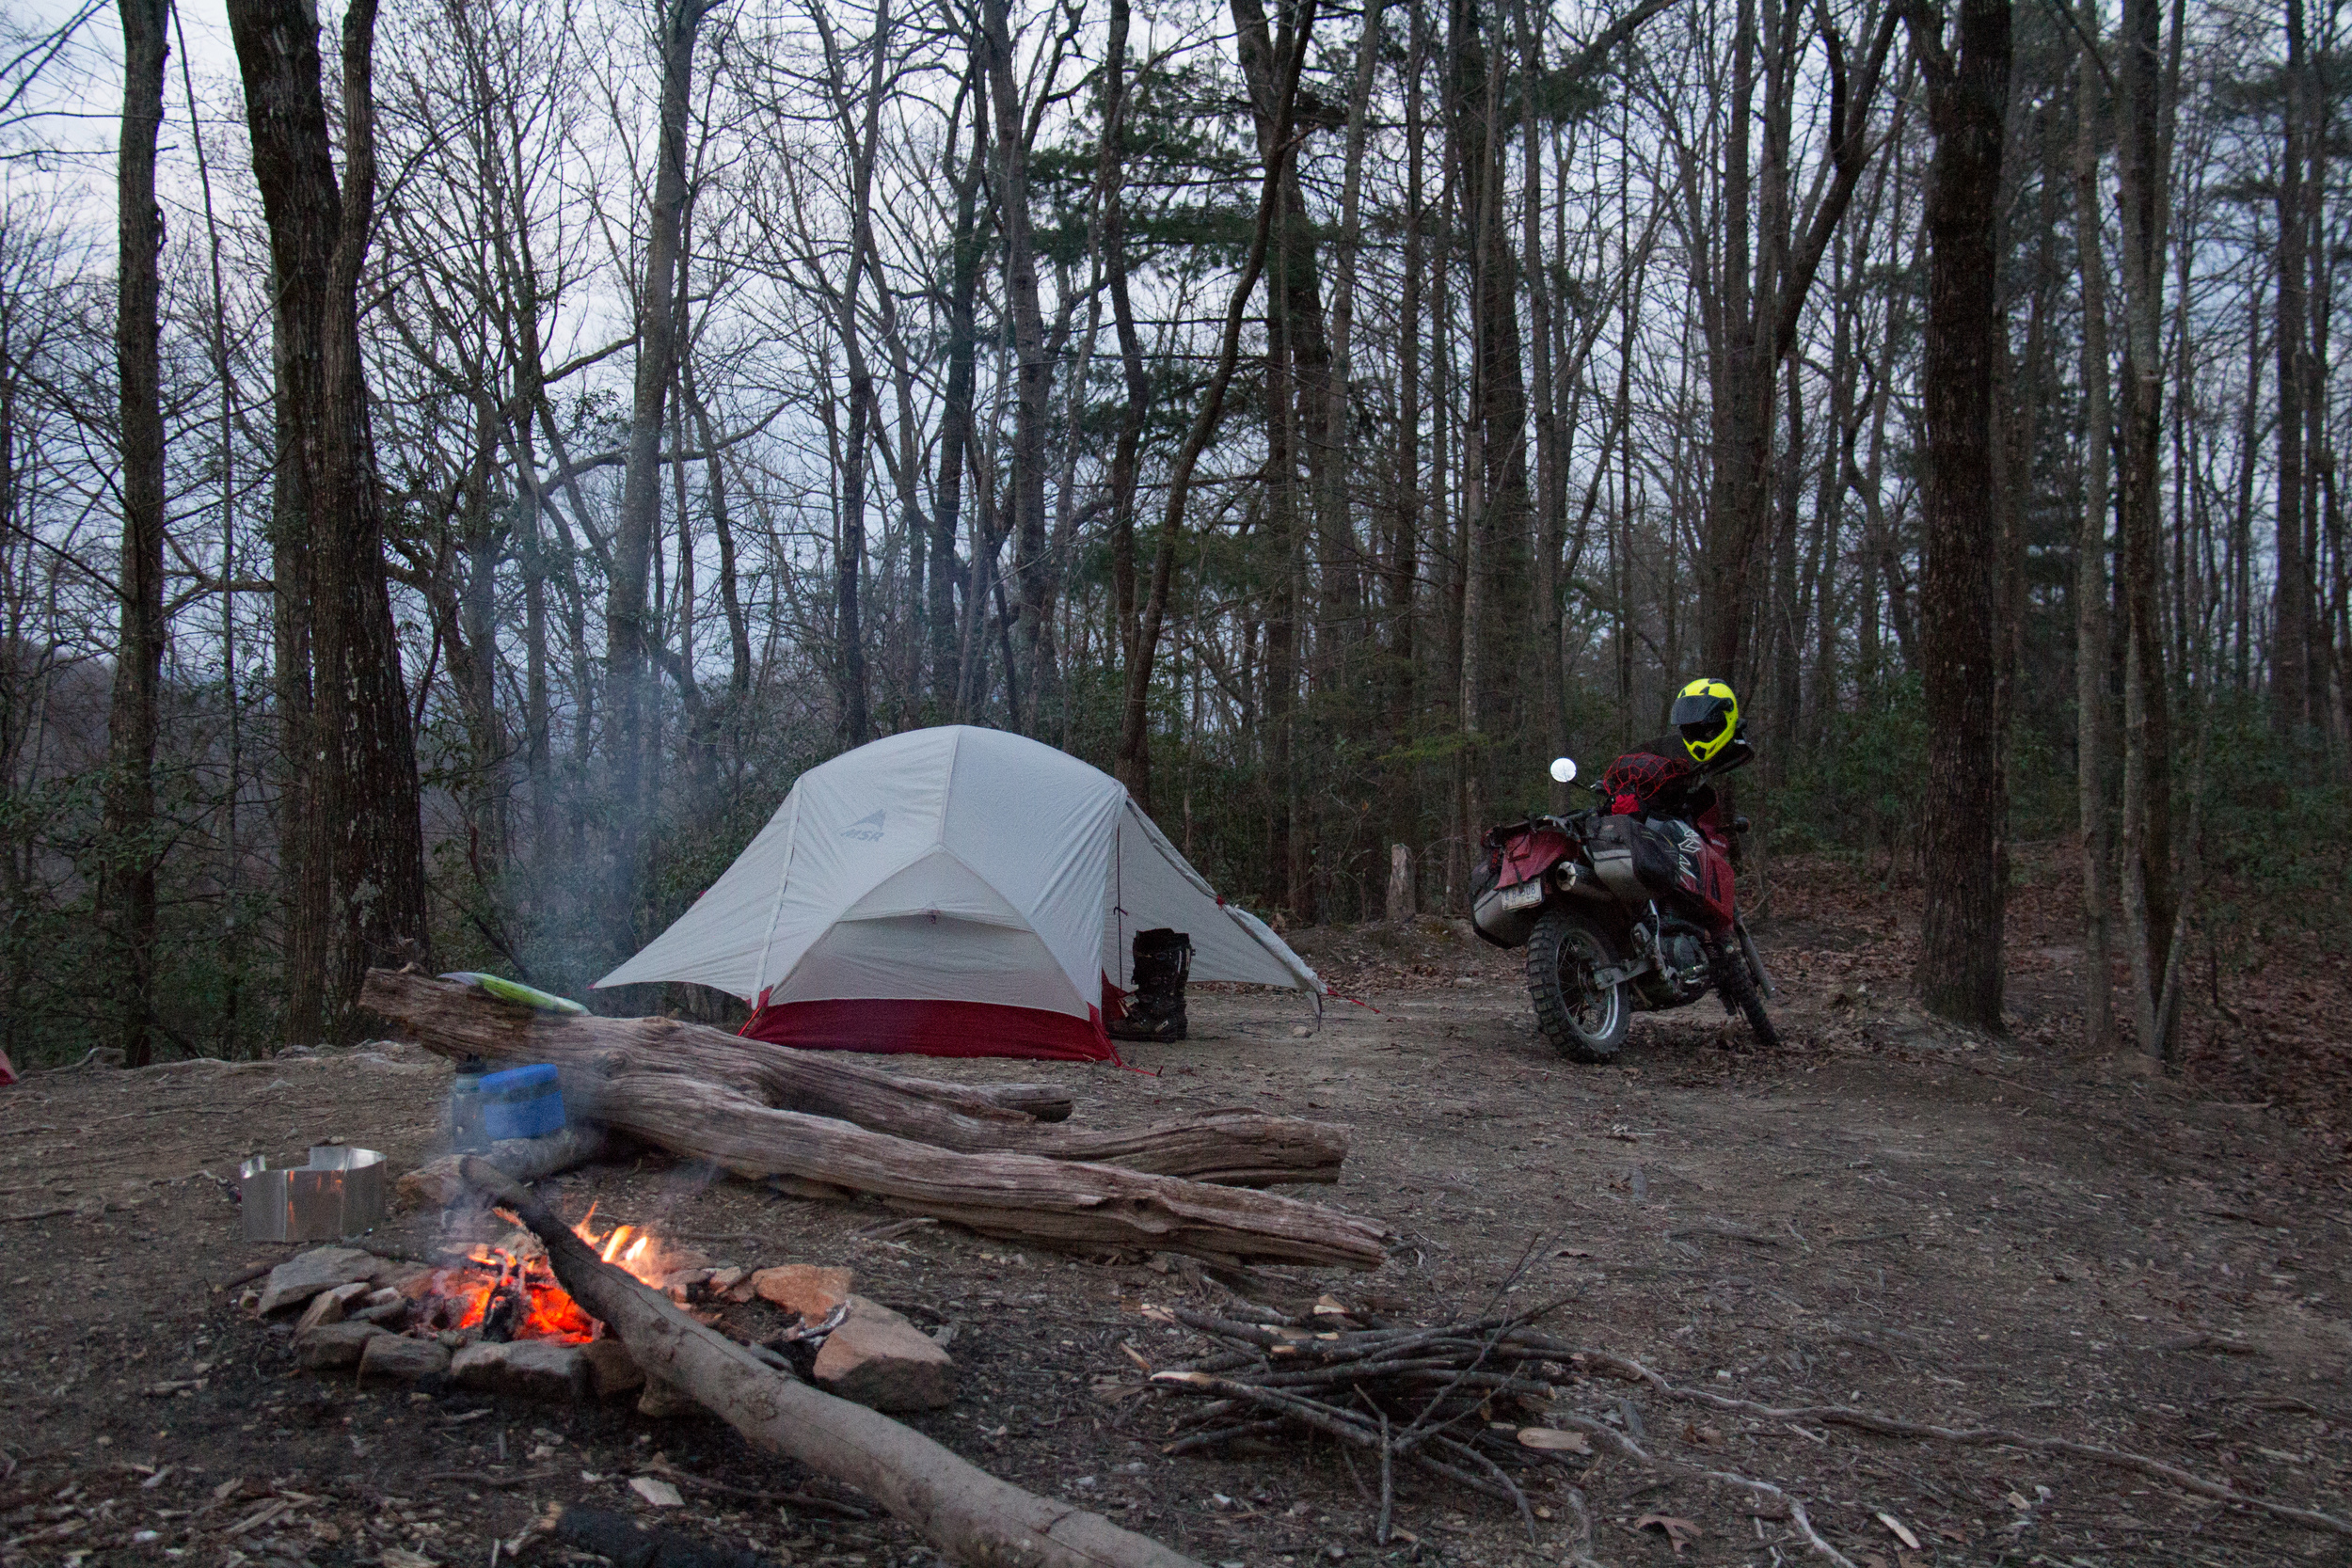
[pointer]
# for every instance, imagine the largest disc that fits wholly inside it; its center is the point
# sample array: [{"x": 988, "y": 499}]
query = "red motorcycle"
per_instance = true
[{"x": 1619, "y": 913}]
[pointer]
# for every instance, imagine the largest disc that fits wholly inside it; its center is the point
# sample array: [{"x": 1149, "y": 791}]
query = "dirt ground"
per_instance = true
[{"x": 1885, "y": 1214}]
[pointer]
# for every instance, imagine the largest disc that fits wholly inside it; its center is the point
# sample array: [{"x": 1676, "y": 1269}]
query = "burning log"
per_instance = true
[
  {"x": 438, "y": 1184},
  {"x": 597, "y": 1054},
  {"x": 969, "y": 1515}
]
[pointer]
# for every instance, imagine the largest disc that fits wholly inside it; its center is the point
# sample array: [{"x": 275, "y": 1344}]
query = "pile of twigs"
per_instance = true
[{"x": 1438, "y": 1398}]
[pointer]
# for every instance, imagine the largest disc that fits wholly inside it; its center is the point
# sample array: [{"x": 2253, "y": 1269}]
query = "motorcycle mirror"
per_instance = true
[{"x": 1563, "y": 770}]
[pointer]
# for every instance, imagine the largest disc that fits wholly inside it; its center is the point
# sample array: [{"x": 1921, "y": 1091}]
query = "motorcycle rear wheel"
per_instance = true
[{"x": 1584, "y": 1022}]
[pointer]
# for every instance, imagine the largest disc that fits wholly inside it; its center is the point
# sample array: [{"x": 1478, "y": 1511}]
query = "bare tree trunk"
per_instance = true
[
  {"x": 2142, "y": 145},
  {"x": 1787, "y": 631},
  {"x": 1034, "y": 374},
  {"x": 1551, "y": 496},
  {"x": 1285, "y": 533},
  {"x": 2094, "y": 727},
  {"x": 1497, "y": 505},
  {"x": 233, "y": 932},
  {"x": 304, "y": 872},
  {"x": 1126, "y": 454},
  {"x": 2291, "y": 662},
  {"x": 949, "y": 637},
  {"x": 1134, "y": 736},
  {"x": 1738, "y": 481},
  {"x": 1829, "y": 502},
  {"x": 861, "y": 142},
  {"x": 631, "y": 690},
  {"x": 1399, "y": 674},
  {"x": 126, "y": 894},
  {"x": 723, "y": 526},
  {"x": 1966, "y": 806},
  {"x": 1621, "y": 546},
  {"x": 467, "y": 615},
  {"x": 1338, "y": 520},
  {"x": 368, "y": 805},
  {"x": 2021, "y": 389},
  {"x": 1751, "y": 320}
]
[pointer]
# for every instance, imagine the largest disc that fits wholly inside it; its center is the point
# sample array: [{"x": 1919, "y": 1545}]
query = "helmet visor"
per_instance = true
[{"x": 1699, "y": 713}]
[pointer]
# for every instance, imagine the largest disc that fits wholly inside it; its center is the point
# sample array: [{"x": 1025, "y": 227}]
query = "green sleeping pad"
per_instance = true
[{"x": 514, "y": 991}]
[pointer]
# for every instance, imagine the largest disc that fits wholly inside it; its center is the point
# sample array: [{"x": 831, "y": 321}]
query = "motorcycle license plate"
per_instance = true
[{"x": 1524, "y": 897}]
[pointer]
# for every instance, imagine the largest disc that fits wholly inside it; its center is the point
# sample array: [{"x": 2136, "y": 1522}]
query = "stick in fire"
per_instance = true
[{"x": 969, "y": 1515}]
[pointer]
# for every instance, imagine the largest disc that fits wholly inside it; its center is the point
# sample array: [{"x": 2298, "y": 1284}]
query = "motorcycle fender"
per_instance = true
[{"x": 1525, "y": 858}]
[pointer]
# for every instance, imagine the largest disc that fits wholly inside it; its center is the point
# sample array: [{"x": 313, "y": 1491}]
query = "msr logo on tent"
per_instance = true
[{"x": 866, "y": 828}]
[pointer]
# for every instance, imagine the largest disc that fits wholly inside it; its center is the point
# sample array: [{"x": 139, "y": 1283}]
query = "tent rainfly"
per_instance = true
[{"x": 953, "y": 892}]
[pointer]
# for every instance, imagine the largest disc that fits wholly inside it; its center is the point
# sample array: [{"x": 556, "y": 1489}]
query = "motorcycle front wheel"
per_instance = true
[
  {"x": 1736, "y": 982},
  {"x": 1583, "y": 1021}
]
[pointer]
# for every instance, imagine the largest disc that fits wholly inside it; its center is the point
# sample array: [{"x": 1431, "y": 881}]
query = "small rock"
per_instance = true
[
  {"x": 661, "y": 1400},
  {"x": 880, "y": 1360},
  {"x": 532, "y": 1369},
  {"x": 331, "y": 1307},
  {"x": 331, "y": 1345},
  {"x": 657, "y": 1492},
  {"x": 811, "y": 1290},
  {"x": 409, "y": 1279},
  {"x": 299, "y": 1278},
  {"x": 403, "y": 1360},
  {"x": 726, "y": 1279},
  {"x": 612, "y": 1370},
  {"x": 436, "y": 1184}
]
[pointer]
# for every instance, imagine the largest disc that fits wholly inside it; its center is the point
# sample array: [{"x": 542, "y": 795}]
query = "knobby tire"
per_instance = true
[
  {"x": 1738, "y": 988},
  {"x": 1563, "y": 935}
]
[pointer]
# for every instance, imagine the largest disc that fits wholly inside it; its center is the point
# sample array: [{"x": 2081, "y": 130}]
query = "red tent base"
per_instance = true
[
  {"x": 8, "y": 1073},
  {"x": 932, "y": 1029}
]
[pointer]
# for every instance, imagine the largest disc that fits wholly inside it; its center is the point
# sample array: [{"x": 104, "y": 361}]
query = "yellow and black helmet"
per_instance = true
[{"x": 1706, "y": 712}]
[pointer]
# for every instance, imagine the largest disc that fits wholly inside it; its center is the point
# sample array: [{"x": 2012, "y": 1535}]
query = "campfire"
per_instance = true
[
  {"x": 506, "y": 1290},
  {"x": 490, "y": 1313}
]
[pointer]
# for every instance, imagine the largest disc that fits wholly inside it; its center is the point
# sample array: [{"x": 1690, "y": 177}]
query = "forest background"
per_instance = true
[{"x": 496, "y": 444}]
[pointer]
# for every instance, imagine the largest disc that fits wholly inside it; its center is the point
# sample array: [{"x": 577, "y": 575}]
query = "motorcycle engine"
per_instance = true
[{"x": 1682, "y": 970}]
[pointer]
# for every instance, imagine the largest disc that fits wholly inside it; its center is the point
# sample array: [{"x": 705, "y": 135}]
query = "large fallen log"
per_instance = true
[
  {"x": 1042, "y": 1102},
  {"x": 1065, "y": 1203},
  {"x": 1232, "y": 1149},
  {"x": 969, "y": 1515}
]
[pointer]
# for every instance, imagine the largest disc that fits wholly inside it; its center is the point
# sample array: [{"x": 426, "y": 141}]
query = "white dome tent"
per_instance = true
[{"x": 955, "y": 892}]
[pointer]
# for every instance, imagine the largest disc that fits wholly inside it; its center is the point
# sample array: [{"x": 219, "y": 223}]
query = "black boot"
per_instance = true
[{"x": 1155, "y": 1006}]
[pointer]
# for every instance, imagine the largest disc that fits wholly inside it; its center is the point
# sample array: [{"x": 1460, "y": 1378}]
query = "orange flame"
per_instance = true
[
  {"x": 633, "y": 1251},
  {"x": 462, "y": 1297}
]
